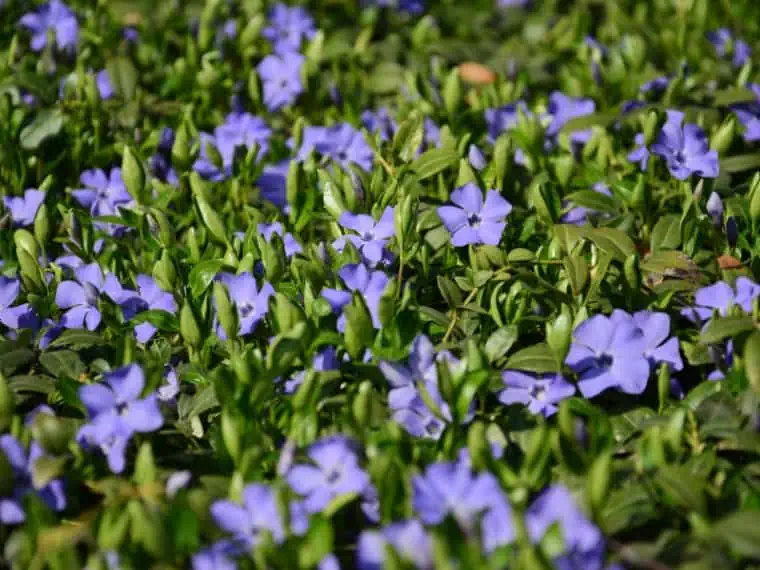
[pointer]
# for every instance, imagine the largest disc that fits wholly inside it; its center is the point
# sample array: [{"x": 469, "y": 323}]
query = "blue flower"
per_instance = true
[
  {"x": 281, "y": 79},
  {"x": 56, "y": 16},
  {"x": 117, "y": 412},
  {"x": 685, "y": 149}
]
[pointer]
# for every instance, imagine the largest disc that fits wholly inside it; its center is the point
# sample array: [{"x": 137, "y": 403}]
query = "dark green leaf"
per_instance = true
[
  {"x": 77, "y": 338},
  {"x": 593, "y": 200},
  {"x": 46, "y": 124},
  {"x": 202, "y": 275},
  {"x": 434, "y": 161},
  {"x": 123, "y": 76},
  {"x": 537, "y": 358},
  {"x": 162, "y": 320},
  {"x": 740, "y": 163},
  {"x": 62, "y": 363},
  {"x": 666, "y": 233},
  {"x": 15, "y": 359},
  {"x": 723, "y": 327}
]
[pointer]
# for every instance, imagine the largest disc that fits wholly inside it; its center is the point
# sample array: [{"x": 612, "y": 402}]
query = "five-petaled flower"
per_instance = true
[
  {"x": 252, "y": 304},
  {"x": 473, "y": 221},
  {"x": 372, "y": 236},
  {"x": 80, "y": 297},
  {"x": 281, "y": 79},
  {"x": 369, "y": 284},
  {"x": 409, "y": 539},
  {"x": 21, "y": 463},
  {"x": 56, "y": 16},
  {"x": 335, "y": 471},
  {"x": 247, "y": 522},
  {"x": 685, "y": 148},
  {"x": 238, "y": 130},
  {"x": 288, "y": 27},
  {"x": 23, "y": 209},
  {"x": 540, "y": 394},
  {"x": 117, "y": 412}
]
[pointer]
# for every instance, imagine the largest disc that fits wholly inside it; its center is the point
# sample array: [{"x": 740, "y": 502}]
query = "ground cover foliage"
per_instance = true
[{"x": 386, "y": 284}]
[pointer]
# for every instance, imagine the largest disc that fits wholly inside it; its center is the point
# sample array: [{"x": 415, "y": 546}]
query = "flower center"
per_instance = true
[
  {"x": 333, "y": 476},
  {"x": 474, "y": 220},
  {"x": 538, "y": 392},
  {"x": 246, "y": 308},
  {"x": 367, "y": 236},
  {"x": 433, "y": 427},
  {"x": 605, "y": 360}
]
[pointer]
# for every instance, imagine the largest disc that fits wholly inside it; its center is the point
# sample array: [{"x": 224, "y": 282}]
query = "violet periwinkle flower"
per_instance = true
[
  {"x": 373, "y": 236},
  {"x": 477, "y": 159},
  {"x": 149, "y": 297},
  {"x": 80, "y": 297},
  {"x": 584, "y": 542},
  {"x": 251, "y": 303},
  {"x": 404, "y": 399},
  {"x": 335, "y": 471},
  {"x": 656, "y": 85},
  {"x": 325, "y": 359},
  {"x": 288, "y": 28},
  {"x": 24, "y": 208},
  {"x": 14, "y": 317},
  {"x": 580, "y": 215},
  {"x": 102, "y": 194},
  {"x": 685, "y": 149},
  {"x": 169, "y": 391},
  {"x": 721, "y": 297},
  {"x": 116, "y": 412},
  {"x": 714, "y": 208},
  {"x": 161, "y": 161},
  {"x": 620, "y": 351},
  {"x": 341, "y": 143},
  {"x": 380, "y": 121},
  {"x": 329, "y": 562},
  {"x": 409, "y": 539},
  {"x": 281, "y": 79},
  {"x": 219, "y": 556},
  {"x": 540, "y": 394},
  {"x": 749, "y": 116},
  {"x": 289, "y": 242},
  {"x": 177, "y": 481},
  {"x": 504, "y": 118},
  {"x": 473, "y": 221},
  {"x": 369, "y": 284},
  {"x": 238, "y": 129},
  {"x": 562, "y": 109},
  {"x": 640, "y": 154},
  {"x": 452, "y": 489},
  {"x": 722, "y": 38},
  {"x": 56, "y": 16},
  {"x": 11, "y": 506},
  {"x": 273, "y": 184},
  {"x": 103, "y": 83},
  {"x": 607, "y": 354},
  {"x": 247, "y": 522}
]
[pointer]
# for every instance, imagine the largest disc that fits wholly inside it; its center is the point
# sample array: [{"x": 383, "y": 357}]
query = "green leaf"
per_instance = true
[
  {"x": 586, "y": 121},
  {"x": 594, "y": 200},
  {"x": 78, "y": 338},
  {"x": 538, "y": 358},
  {"x": 740, "y": 163},
  {"x": 740, "y": 532},
  {"x": 613, "y": 241},
  {"x": 202, "y": 275},
  {"x": 408, "y": 137},
  {"x": 63, "y": 363},
  {"x": 162, "y": 320},
  {"x": 13, "y": 360},
  {"x": 32, "y": 383},
  {"x": 723, "y": 327},
  {"x": 733, "y": 96},
  {"x": 434, "y": 161},
  {"x": 568, "y": 235},
  {"x": 46, "y": 468},
  {"x": 666, "y": 233},
  {"x": 681, "y": 487},
  {"x": 123, "y": 76},
  {"x": 386, "y": 78},
  {"x": 577, "y": 270},
  {"x": 499, "y": 343},
  {"x": 752, "y": 360},
  {"x": 664, "y": 261},
  {"x": 48, "y": 123}
]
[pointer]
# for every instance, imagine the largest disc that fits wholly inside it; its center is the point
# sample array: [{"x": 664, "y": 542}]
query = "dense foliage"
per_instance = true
[{"x": 381, "y": 284}]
